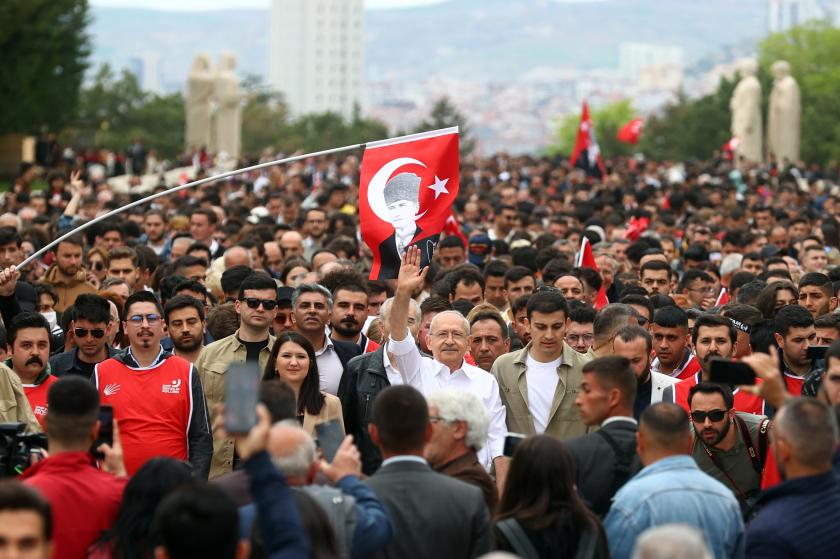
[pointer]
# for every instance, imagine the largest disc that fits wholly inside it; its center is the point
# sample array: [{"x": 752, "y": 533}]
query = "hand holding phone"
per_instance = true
[
  {"x": 512, "y": 440},
  {"x": 733, "y": 373},
  {"x": 330, "y": 436}
]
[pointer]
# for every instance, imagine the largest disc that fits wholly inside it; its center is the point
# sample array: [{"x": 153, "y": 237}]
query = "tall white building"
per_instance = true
[
  {"x": 316, "y": 54},
  {"x": 146, "y": 68},
  {"x": 784, "y": 14}
]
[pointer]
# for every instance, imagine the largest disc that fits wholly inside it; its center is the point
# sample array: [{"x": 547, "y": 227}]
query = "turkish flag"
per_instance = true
[
  {"x": 452, "y": 228},
  {"x": 631, "y": 132},
  {"x": 586, "y": 259},
  {"x": 723, "y": 298},
  {"x": 406, "y": 191},
  {"x": 586, "y": 153},
  {"x": 636, "y": 227},
  {"x": 730, "y": 147}
]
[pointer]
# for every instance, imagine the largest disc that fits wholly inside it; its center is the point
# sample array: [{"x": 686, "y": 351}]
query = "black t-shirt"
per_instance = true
[
  {"x": 253, "y": 349},
  {"x": 85, "y": 368}
]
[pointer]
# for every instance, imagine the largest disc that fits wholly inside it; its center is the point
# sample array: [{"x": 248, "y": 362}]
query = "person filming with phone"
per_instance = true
[{"x": 84, "y": 498}]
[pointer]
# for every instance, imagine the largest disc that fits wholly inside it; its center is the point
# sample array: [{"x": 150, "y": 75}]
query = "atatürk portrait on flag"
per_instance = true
[{"x": 402, "y": 198}]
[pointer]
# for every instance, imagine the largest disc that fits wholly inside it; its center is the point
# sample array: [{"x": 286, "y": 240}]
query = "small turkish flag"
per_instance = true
[
  {"x": 452, "y": 228},
  {"x": 630, "y": 132},
  {"x": 586, "y": 153},
  {"x": 636, "y": 227},
  {"x": 723, "y": 298},
  {"x": 406, "y": 191},
  {"x": 586, "y": 259}
]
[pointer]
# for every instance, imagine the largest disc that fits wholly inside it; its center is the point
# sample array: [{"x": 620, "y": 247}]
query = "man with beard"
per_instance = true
[
  {"x": 348, "y": 316},
  {"x": 91, "y": 326},
  {"x": 67, "y": 275},
  {"x": 158, "y": 398},
  {"x": 154, "y": 228},
  {"x": 730, "y": 446},
  {"x": 29, "y": 340},
  {"x": 794, "y": 332},
  {"x": 671, "y": 341},
  {"x": 713, "y": 336},
  {"x": 816, "y": 294},
  {"x": 185, "y": 323},
  {"x": 636, "y": 344}
]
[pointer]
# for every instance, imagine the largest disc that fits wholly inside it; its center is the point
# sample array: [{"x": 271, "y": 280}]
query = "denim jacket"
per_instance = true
[{"x": 674, "y": 490}]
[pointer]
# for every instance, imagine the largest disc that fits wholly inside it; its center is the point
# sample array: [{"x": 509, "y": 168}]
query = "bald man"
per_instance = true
[
  {"x": 237, "y": 256},
  {"x": 350, "y": 503},
  {"x": 273, "y": 258},
  {"x": 292, "y": 244}
]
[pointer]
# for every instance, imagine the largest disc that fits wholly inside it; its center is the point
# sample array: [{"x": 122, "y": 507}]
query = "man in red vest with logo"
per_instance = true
[
  {"x": 713, "y": 336},
  {"x": 157, "y": 397}
]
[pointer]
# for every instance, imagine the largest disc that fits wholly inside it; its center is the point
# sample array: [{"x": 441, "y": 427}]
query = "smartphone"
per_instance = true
[
  {"x": 733, "y": 373},
  {"x": 330, "y": 436},
  {"x": 816, "y": 352},
  {"x": 242, "y": 388},
  {"x": 512, "y": 440},
  {"x": 106, "y": 431}
]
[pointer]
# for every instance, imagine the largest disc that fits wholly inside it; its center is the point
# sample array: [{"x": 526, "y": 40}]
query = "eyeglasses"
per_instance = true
[
  {"x": 138, "y": 319},
  {"x": 456, "y": 335},
  {"x": 97, "y": 333},
  {"x": 254, "y": 303},
  {"x": 713, "y": 415},
  {"x": 574, "y": 338},
  {"x": 436, "y": 419},
  {"x": 709, "y": 290}
]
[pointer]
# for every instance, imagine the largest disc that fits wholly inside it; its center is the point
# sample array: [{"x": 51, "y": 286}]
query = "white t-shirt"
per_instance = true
[{"x": 542, "y": 380}]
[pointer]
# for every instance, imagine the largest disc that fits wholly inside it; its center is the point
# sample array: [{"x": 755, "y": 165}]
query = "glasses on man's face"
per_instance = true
[
  {"x": 704, "y": 290},
  {"x": 456, "y": 335},
  {"x": 436, "y": 419},
  {"x": 575, "y": 339},
  {"x": 138, "y": 319},
  {"x": 254, "y": 303},
  {"x": 97, "y": 333},
  {"x": 713, "y": 415}
]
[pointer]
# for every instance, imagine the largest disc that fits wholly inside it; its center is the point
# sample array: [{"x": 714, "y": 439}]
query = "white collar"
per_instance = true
[
  {"x": 404, "y": 458},
  {"x": 617, "y": 418}
]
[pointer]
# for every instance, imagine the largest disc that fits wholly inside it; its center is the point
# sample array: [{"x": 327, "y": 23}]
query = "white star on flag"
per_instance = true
[{"x": 439, "y": 187}]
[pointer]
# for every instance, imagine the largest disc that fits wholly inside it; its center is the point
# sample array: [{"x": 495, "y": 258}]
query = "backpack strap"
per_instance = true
[
  {"x": 587, "y": 544},
  {"x": 517, "y": 538},
  {"x": 763, "y": 429}
]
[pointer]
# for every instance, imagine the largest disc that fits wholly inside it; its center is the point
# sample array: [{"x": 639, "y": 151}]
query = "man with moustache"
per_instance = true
[
  {"x": 185, "y": 323},
  {"x": 29, "y": 342},
  {"x": 730, "y": 446},
  {"x": 713, "y": 337},
  {"x": 348, "y": 315}
]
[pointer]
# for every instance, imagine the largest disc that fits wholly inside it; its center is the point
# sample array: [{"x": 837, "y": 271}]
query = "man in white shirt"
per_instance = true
[{"x": 448, "y": 341}]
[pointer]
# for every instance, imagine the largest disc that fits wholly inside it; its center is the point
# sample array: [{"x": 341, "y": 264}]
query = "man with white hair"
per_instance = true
[
  {"x": 448, "y": 337},
  {"x": 459, "y": 429},
  {"x": 671, "y": 541},
  {"x": 730, "y": 264},
  {"x": 361, "y": 525},
  {"x": 366, "y": 376}
]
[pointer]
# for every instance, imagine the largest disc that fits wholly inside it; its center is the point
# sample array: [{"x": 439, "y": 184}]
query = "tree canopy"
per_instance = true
[{"x": 607, "y": 120}]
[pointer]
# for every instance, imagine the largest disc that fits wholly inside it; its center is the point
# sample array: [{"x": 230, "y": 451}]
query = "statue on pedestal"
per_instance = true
[
  {"x": 746, "y": 113},
  {"x": 783, "y": 116},
  {"x": 228, "y": 136},
  {"x": 199, "y": 97}
]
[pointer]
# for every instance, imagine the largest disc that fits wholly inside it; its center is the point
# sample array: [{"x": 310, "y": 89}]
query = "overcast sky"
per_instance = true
[{"x": 191, "y": 5}]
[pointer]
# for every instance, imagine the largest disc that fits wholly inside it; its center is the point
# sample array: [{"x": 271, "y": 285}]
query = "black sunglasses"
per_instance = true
[
  {"x": 97, "y": 333},
  {"x": 254, "y": 303},
  {"x": 98, "y": 266},
  {"x": 713, "y": 415}
]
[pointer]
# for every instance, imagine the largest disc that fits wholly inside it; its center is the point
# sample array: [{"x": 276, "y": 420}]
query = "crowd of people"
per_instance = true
[{"x": 677, "y": 400}]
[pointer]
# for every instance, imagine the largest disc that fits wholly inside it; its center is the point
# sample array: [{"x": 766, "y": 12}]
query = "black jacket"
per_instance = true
[
  {"x": 67, "y": 363},
  {"x": 389, "y": 257},
  {"x": 364, "y": 378}
]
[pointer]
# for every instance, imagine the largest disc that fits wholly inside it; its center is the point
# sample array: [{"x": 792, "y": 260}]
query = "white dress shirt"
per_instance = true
[
  {"x": 329, "y": 367},
  {"x": 394, "y": 376},
  {"x": 428, "y": 376}
]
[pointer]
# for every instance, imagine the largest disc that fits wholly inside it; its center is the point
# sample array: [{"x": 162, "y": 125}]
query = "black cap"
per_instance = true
[{"x": 284, "y": 294}]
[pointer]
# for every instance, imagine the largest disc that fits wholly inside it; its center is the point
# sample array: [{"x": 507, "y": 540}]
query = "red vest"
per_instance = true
[
  {"x": 744, "y": 401},
  {"x": 152, "y": 406},
  {"x": 37, "y": 396},
  {"x": 793, "y": 384},
  {"x": 370, "y": 346},
  {"x": 692, "y": 367}
]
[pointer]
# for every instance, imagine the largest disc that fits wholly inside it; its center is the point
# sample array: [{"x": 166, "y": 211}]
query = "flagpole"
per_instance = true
[{"x": 167, "y": 192}]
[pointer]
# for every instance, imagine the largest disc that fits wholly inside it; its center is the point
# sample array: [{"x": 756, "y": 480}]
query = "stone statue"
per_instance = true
[
  {"x": 746, "y": 113},
  {"x": 229, "y": 116},
  {"x": 783, "y": 115},
  {"x": 199, "y": 97}
]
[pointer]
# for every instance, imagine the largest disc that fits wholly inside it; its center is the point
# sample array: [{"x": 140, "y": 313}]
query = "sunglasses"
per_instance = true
[
  {"x": 98, "y": 266},
  {"x": 97, "y": 333},
  {"x": 138, "y": 319},
  {"x": 254, "y": 303},
  {"x": 713, "y": 415}
]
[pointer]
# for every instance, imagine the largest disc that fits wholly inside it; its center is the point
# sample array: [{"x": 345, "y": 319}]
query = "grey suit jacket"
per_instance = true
[
  {"x": 434, "y": 516},
  {"x": 595, "y": 463}
]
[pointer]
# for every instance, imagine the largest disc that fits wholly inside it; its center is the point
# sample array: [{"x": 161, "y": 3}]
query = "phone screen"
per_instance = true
[
  {"x": 106, "y": 430},
  {"x": 242, "y": 384},
  {"x": 512, "y": 440},
  {"x": 330, "y": 436},
  {"x": 816, "y": 352},
  {"x": 733, "y": 373}
]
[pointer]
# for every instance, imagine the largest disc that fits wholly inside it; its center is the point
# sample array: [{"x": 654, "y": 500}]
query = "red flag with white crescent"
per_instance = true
[
  {"x": 452, "y": 227},
  {"x": 723, "y": 297},
  {"x": 586, "y": 153},
  {"x": 631, "y": 132},
  {"x": 406, "y": 192},
  {"x": 586, "y": 259}
]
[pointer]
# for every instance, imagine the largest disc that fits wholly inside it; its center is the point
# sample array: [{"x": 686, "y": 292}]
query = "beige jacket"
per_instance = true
[
  {"x": 212, "y": 364},
  {"x": 14, "y": 406},
  {"x": 564, "y": 421},
  {"x": 330, "y": 410},
  {"x": 67, "y": 288}
]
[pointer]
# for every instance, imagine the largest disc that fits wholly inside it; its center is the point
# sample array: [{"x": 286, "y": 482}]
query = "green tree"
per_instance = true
[
  {"x": 44, "y": 46},
  {"x": 813, "y": 51},
  {"x": 690, "y": 128},
  {"x": 114, "y": 110},
  {"x": 445, "y": 114},
  {"x": 607, "y": 121}
]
